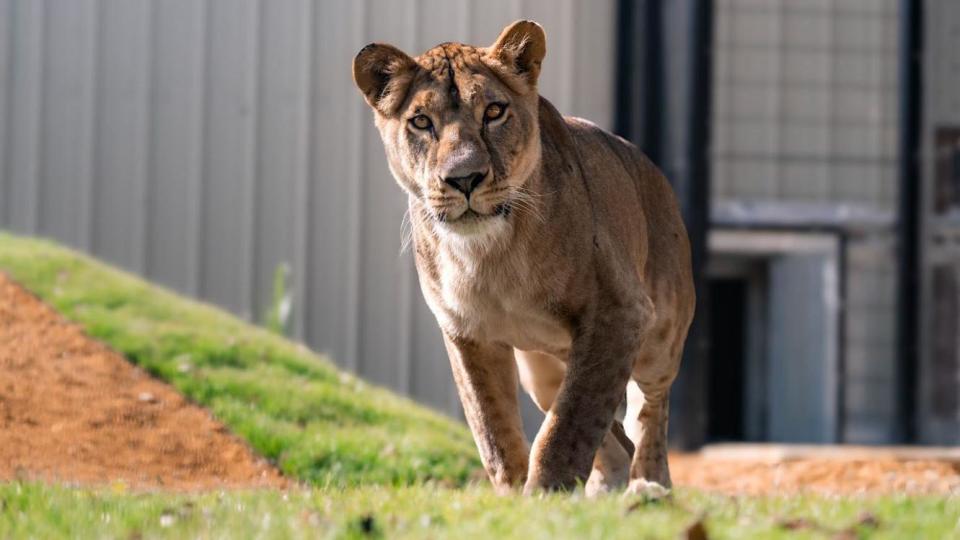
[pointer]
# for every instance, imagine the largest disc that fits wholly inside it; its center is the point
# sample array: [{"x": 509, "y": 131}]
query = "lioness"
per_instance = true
[{"x": 549, "y": 250}]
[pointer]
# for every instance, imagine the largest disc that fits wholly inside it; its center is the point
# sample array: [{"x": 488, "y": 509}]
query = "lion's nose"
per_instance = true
[{"x": 465, "y": 184}]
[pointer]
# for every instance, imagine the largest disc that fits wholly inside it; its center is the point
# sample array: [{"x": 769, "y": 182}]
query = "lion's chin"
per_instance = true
[{"x": 474, "y": 230}]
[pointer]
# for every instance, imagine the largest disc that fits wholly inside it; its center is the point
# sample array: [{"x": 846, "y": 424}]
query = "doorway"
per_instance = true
[
  {"x": 728, "y": 351},
  {"x": 773, "y": 324}
]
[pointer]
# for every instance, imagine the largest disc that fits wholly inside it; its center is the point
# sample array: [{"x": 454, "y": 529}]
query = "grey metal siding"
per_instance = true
[{"x": 203, "y": 143}]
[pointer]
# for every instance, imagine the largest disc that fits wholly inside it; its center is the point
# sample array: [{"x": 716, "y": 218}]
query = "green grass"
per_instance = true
[
  {"x": 33, "y": 510},
  {"x": 374, "y": 464},
  {"x": 316, "y": 423}
]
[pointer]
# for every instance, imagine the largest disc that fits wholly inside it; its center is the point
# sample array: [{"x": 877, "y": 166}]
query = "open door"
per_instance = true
[{"x": 802, "y": 349}]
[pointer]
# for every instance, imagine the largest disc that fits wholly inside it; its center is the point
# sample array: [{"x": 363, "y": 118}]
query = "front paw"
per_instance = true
[
  {"x": 545, "y": 483},
  {"x": 646, "y": 489}
]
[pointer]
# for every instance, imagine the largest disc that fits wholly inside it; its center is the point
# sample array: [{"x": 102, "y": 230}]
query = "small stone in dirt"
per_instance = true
[{"x": 146, "y": 397}]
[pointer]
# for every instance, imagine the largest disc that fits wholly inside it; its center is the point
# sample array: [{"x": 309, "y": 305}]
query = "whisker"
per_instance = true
[{"x": 406, "y": 231}]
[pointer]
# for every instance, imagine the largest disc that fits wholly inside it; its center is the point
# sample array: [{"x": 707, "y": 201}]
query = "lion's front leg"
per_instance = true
[
  {"x": 486, "y": 378},
  {"x": 601, "y": 361}
]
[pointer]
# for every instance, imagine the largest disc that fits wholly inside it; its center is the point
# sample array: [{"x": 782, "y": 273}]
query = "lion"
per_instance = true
[{"x": 551, "y": 253}]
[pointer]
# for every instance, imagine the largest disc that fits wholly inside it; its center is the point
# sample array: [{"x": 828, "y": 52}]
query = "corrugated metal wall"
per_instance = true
[
  {"x": 203, "y": 143},
  {"x": 805, "y": 113}
]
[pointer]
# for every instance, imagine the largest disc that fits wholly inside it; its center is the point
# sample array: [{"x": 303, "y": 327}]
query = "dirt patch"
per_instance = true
[
  {"x": 826, "y": 476},
  {"x": 73, "y": 410}
]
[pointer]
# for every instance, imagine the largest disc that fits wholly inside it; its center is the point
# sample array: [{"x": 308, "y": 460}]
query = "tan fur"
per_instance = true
[{"x": 566, "y": 269}]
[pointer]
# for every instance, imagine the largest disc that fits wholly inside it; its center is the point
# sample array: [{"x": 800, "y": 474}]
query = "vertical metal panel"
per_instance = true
[
  {"x": 122, "y": 109},
  {"x": 6, "y": 73},
  {"x": 594, "y": 57},
  {"x": 176, "y": 142},
  {"x": 281, "y": 148},
  {"x": 67, "y": 136},
  {"x": 23, "y": 122},
  {"x": 488, "y": 17},
  {"x": 332, "y": 214},
  {"x": 205, "y": 142},
  {"x": 229, "y": 153},
  {"x": 301, "y": 209}
]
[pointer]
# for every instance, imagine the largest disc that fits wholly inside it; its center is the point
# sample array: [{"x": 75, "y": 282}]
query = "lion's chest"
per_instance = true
[{"x": 499, "y": 304}]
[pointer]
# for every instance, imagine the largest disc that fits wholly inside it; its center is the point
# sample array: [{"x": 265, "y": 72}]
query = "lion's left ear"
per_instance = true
[{"x": 522, "y": 46}]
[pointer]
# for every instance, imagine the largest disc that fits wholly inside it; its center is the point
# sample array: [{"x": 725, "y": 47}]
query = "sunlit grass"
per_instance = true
[{"x": 34, "y": 510}]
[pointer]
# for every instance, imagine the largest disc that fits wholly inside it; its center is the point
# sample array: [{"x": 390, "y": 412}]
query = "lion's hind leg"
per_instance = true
[{"x": 646, "y": 424}]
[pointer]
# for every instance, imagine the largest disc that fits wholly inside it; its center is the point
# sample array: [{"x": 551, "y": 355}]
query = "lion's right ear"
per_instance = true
[{"x": 383, "y": 72}]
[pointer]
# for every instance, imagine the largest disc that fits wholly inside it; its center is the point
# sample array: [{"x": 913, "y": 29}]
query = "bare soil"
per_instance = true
[{"x": 72, "y": 410}]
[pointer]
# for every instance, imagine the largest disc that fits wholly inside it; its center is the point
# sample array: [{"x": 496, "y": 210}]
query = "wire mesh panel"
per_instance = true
[{"x": 805, "y": 101}]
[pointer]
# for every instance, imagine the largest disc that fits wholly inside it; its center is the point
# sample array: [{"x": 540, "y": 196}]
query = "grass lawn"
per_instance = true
[
  {"x": 32, "y": 510},
  {"x": 373, "y": 464}
]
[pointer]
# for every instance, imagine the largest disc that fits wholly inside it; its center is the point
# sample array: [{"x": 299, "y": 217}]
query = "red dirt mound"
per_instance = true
[{"x": 73, "y": 410}]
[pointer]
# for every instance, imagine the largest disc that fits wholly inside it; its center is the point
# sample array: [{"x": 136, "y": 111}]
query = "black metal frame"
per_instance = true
[
  {"x": 697, "y": 211},
  {"x": 639, "y": 93},
  {"x": 908, "y": 222}
]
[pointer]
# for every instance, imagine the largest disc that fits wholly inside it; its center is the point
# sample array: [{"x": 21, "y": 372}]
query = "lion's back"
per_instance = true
[{"x": 636, "y": 195}]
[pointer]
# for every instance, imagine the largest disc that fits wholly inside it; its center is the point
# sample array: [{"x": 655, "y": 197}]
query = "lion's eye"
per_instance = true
[
  {"x": 494, "y": 111},
  {"x": 421, "y": 122}
]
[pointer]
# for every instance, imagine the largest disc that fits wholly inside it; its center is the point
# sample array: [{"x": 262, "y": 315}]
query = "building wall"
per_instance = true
[
  {"x": 203, "y": 143},
  {"x": 805, "y": 115},
  {"x": 939, "y": 395}
]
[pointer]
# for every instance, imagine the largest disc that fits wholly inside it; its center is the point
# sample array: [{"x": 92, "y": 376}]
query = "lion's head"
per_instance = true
[{"x": 459, "y": 125}]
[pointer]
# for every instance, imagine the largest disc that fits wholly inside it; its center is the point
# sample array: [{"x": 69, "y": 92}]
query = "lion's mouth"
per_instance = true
[{"x": 472, "y": 216}]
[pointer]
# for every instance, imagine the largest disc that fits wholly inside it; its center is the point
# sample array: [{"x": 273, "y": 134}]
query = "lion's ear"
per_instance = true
[
  {"x": 522, "y": 46},
  {"x": 382, "y": 73}
]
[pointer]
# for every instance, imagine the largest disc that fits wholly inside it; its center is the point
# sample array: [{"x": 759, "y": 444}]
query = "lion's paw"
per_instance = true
[{"x": 647, "y": 489}]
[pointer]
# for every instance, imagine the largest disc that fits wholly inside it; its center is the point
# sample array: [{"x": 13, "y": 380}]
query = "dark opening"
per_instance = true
[{"x": 728, "y": 313}]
